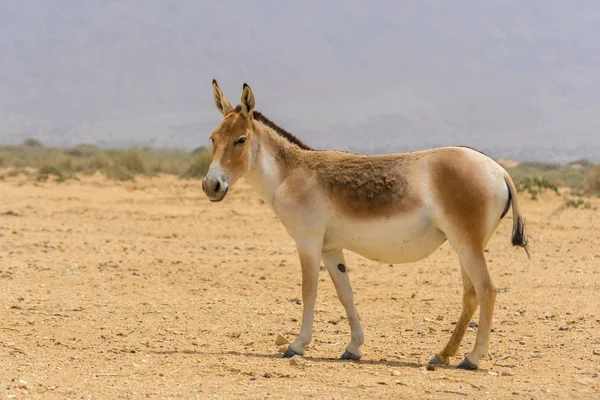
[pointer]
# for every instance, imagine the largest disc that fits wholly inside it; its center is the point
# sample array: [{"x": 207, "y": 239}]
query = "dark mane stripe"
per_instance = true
[{"x": 279, "y": 130}]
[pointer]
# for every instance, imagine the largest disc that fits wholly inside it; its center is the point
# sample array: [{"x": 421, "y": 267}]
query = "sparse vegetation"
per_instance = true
[
  {"x": 45, "y": 171},
  {"x": 582, "y": 163},
  {"x": 32, "y": 143},
  {"x": 33, "y": 157},
  {"x": 118, "y": 164},
  {"x": 98, "y": 162},
  {"x": 535, "y": 186},
  {"x": 16, "y": 172},
  {"x": 571, "y": 176},
  {"x": 83, "y": 150},
  {"x": 132, "y": 162},
  {"x": 119, "y": 173},
  {"x": 592, "y": 180},
  {"x": 579, "y": 202},
  {"x": 199, "y": 165}
]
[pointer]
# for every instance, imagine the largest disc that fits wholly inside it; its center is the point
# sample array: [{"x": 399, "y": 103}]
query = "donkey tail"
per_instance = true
[{"x": 519, "y": 236}]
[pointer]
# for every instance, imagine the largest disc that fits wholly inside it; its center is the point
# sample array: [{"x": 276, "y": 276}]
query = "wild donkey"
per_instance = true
[{"x": 395, "y": 208}]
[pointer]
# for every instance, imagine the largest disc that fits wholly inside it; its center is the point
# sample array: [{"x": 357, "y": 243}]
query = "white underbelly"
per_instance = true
[{"x": 394, "y": 240}]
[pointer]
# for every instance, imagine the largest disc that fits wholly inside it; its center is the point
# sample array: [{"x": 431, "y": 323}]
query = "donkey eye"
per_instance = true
[{"x": 240, "y": 141}]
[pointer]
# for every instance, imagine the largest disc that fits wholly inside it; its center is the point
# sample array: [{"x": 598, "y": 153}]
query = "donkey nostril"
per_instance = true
[{"x": 217, "y": 186}]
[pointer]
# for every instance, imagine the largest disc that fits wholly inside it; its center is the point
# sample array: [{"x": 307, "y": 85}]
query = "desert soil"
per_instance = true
[{"x": 147, "y": 290}]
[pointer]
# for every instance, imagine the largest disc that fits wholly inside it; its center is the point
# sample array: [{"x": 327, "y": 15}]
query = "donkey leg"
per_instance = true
[
  {"x": 470, "y": 304},
  {"x": 309, "y": 261},
  {"x": 336, "y": 266},
  {"x": 475, "y": 267}
]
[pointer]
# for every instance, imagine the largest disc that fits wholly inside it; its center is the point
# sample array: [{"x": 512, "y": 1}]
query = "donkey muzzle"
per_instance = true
[{"x": 215, "y": 188}]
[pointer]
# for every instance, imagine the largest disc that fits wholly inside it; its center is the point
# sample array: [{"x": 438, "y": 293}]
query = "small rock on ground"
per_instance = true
[
  {"x": 281, "y": 340},
  {"x": 297, "y": 361}
]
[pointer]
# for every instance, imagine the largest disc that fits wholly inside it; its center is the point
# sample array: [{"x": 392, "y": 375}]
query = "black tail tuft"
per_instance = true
[{"x": 519, "y": 237}]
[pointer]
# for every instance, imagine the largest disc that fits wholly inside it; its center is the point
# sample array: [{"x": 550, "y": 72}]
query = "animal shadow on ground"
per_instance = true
[{"x": 387, "y": 363}]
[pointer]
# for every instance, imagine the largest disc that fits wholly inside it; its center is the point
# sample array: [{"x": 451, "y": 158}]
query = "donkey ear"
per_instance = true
[
  {"x": 223, "y": 105},
  {"x": 247, "y": 101}
]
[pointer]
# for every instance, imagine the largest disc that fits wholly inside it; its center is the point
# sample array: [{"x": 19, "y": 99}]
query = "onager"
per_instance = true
[{"x": 396, "y": 208}]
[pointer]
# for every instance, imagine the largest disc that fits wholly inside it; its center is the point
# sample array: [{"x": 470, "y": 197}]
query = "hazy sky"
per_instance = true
[{"x": 505, "y": 75}]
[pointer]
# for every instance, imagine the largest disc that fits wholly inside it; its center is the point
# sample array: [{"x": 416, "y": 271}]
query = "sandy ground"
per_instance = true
[{"x": 147, "y": 290}]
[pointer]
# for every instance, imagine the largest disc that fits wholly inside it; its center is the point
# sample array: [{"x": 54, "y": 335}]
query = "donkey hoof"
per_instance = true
[
  {"x": 289, "y": 353},
  {"x": 467, "y": 365},
  {"x": 349, "y": 356},
  {"x": 437, "y": 360}
]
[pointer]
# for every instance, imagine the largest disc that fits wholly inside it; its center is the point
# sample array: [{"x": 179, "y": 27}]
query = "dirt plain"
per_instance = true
[{"x": 147, "y": 290}]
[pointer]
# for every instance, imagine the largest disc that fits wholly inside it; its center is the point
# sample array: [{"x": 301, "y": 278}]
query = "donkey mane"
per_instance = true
[{"x": 279, "y": 130}]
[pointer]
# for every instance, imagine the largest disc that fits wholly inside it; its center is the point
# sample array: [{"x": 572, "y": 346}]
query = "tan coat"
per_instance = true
[{"x": 394, "y": 208}]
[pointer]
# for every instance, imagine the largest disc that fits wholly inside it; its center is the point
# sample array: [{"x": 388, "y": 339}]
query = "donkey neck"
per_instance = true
[{"x": 274, "y": 157}]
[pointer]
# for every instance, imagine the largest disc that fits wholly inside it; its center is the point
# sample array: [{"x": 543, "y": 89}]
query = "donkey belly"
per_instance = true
[{"x": 394, "y": 240}]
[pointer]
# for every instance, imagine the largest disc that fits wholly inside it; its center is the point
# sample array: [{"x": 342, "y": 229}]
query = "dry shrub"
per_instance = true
[
  {"x": 32, "y": 143},
  {"x": 592, "y": 180},
  {"x": 98, "y": 162},
  {"x": 45, "y": 171},
  {"x": 119, "y": 173},
  {"x": 199, "y": 165},
  {"x": 83, "y": 150},
  {"x": 132, "y": 162}
]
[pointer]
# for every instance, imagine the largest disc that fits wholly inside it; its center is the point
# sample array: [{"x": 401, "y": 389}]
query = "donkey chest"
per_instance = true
[{"x": 398, "y": 239}]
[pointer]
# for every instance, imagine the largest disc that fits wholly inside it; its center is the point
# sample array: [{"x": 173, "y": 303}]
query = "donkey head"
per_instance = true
[{"x": 234, "y": 145}]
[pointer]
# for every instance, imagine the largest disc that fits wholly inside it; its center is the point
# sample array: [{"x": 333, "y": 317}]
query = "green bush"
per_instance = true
[
  {"x": 50, "y": 170},
  {"x": 576, "y": 203},
  {"x": 46, "y": 170},
  {"x": 535, "y": 186}
]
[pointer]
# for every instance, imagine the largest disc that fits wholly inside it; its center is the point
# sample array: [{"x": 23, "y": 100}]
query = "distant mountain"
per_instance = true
[{"x": 518, "y": 78}]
